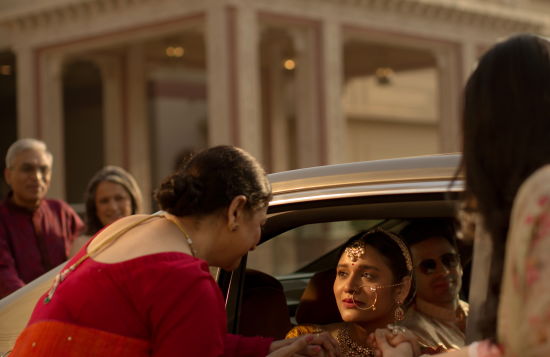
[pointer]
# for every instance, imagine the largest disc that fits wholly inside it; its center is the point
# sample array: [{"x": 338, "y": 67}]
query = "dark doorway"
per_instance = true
[
  {"x": 83, "y": 120},
  {"x": 8, "y": 111}
]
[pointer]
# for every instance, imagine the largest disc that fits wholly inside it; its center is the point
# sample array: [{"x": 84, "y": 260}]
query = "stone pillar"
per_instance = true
[
  {"x": 450, "y": 84},
  {"x": 50, "y": 117},
  {"x": 233, "y": 77},
  {"x": 26, "y": 92},
  {"x": 309, "y": 113},
  {"x": 136, "y": 128},
  {"x": 332, "y": 53},
  {"x": 218, "y": 53},
  {"x": 278, "y": 112},
  {"x": 112, "y": 75},
  {"x": 247, "y": 75},
  {"x": 469, "y": 59}
]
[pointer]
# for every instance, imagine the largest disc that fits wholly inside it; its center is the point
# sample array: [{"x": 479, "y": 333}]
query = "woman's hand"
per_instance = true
[
  {"x": 396, "y": 335},
  {"x": 395, "y": 345},
  {"x": 320, "y": 344},
  {"x": 403, "y": 335}
]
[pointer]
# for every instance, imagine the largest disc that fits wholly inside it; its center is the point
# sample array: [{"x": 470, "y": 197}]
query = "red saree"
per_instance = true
[{"x": 55, "y": 338}]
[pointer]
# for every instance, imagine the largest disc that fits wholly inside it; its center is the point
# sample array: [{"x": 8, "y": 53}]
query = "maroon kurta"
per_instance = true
[
  {"x": 32, "y": 243},
  {"x": 168, "y": 300}
]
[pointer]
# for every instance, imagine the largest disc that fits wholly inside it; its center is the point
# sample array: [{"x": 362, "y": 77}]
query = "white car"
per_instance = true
[{"x": 313, "y": 211}]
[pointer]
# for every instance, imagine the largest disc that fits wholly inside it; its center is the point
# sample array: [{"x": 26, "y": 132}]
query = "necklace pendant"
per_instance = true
[{"x": 349, "y": 347}]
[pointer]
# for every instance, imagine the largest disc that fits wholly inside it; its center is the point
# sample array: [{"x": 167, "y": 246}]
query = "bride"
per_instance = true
[{"x": 373, "y": 281}]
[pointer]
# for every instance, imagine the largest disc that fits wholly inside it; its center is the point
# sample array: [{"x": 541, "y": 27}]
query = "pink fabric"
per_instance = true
[
  {"x": 54, "y": 224},
  {"x": 168, "y": 299},
  {"x": 524, "y": 311},
  {"x": 487, "y": 349}
]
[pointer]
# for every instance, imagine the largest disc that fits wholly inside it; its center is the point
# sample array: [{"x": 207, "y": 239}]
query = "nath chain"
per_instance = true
[{"x": 373, "y": 290}]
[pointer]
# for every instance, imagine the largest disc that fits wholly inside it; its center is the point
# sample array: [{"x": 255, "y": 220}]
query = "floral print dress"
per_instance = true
[
  {"x": 524, "y": 310},
  {"x": 524, "y": 313}
]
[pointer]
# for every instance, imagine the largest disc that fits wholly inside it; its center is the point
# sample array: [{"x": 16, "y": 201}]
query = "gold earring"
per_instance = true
[{"x": 399, "y": 312}]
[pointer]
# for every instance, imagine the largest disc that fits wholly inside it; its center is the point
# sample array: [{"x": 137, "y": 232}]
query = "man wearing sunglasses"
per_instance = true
[{"x": 437, "y": 315}]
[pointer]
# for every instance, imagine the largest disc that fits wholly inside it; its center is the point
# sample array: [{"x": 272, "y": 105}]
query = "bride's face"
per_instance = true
[{"x": 361, "y": 287}]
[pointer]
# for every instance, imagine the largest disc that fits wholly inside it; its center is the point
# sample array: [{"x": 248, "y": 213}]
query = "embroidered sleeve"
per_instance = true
[{"x": 303, "y": 330}]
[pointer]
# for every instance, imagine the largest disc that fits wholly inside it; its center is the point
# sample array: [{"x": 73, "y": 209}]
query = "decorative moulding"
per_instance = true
[{"x": 32, "y": 15}]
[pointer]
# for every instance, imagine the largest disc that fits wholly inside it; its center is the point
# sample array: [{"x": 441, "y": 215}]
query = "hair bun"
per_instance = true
[
  {"x": 180, "y": 193},
  {"x": 211, "y": 179},
  {"x": 189, "y": 191}
]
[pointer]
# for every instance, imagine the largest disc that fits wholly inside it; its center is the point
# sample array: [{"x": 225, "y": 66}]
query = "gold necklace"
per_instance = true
[
  {"x": 59, "y": 278},
  {"x": 174, "y": 220},
  {"x": 349, "y": 347}
]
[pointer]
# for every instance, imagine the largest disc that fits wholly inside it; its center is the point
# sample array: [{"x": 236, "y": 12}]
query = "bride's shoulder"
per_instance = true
[{"x": 300, "y": 330}]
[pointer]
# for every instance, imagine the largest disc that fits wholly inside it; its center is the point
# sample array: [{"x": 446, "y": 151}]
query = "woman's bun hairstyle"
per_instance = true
[{"x": 210, "y": 179}]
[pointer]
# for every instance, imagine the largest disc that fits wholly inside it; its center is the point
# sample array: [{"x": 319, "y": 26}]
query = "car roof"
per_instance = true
[
  {"x": 431, "y": 173},
  {"x": 404, "y": 187}
]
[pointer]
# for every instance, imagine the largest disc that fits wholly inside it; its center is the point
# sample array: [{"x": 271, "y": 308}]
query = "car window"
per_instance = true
[
  {"x": 294, "y": 256},
  {"x": 291, "y": 252}
]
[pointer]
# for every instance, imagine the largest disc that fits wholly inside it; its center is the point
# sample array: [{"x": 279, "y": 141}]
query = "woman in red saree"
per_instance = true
[{"x": 141, "y": 286}]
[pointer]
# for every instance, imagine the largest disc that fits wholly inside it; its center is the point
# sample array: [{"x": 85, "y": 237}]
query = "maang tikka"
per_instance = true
[{"x": 355, "y": 250}]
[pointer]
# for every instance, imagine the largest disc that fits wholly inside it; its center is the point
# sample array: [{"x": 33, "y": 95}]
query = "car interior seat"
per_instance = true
[
  {"x": 264, "y": 310},
  {"x": 318, "y": 304}
]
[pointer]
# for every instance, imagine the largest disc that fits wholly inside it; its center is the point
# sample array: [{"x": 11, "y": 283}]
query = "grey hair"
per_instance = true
[
  {"x": 113, "y": 174},
  {"x": 26, "y": 144}
]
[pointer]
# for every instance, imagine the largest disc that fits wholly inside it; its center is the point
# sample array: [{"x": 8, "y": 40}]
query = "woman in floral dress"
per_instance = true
[{"x": 506, "y": 159}]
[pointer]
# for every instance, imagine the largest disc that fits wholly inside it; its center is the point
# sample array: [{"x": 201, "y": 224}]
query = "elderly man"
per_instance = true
[
  {"x": 35, "y": 233},
  {"x": 437, "y": 316}
]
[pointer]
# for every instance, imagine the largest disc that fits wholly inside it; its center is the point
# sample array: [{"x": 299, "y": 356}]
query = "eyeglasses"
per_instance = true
[{"x": 429, "y": 266}]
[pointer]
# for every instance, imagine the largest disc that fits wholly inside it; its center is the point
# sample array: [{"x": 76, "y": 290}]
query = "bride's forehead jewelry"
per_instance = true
[{"x": 355, "y": 250}]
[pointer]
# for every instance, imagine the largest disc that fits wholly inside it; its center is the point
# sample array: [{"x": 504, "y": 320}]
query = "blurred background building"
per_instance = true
[{"x": 298, "y": 83}]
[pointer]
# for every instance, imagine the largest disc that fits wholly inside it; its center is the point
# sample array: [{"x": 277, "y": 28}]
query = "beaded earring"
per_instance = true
[{"x": 399, "y": 312}]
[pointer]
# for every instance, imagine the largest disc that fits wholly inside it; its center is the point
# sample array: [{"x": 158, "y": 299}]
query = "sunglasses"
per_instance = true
[{"x": 449, "y": 260}]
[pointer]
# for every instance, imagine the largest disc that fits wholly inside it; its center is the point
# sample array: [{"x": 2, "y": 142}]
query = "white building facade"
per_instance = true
[{"x": 297, "y": 83}]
